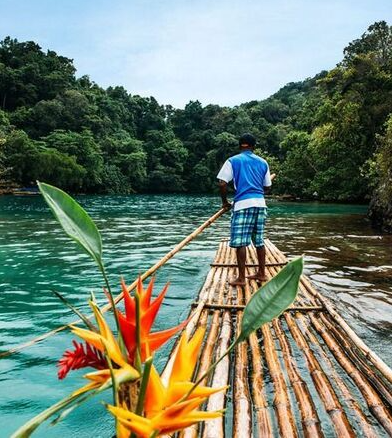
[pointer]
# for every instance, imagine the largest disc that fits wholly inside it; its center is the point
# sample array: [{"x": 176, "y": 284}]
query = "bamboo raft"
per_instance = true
[{"x": 305, "y": 374}]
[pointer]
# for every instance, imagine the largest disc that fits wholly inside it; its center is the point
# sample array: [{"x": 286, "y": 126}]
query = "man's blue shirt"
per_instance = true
[{"x": 249, "y": 171}]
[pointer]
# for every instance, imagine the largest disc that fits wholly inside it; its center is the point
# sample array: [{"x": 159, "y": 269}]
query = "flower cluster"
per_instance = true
[{"x": 166, "y": 407}]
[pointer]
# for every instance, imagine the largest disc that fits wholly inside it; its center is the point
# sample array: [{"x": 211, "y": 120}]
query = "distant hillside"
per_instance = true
[{"x": 324, "y": 135}]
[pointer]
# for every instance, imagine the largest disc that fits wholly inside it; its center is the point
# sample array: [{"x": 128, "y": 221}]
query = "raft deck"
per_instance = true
[{"x": 305, "y": 374}]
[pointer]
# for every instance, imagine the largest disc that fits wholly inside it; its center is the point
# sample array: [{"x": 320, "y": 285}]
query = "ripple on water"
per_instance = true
[{"x": 36, "y": 257}]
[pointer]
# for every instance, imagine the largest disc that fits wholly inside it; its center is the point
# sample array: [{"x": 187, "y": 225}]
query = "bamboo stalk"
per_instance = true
[
  {"x": 208, "y": 349},
  {"x": 282, "y": 406},
  {"x": 320, "y": 380},
  {"x": 359, "y": 361},
  {"x": 221, "y": 375},
  {"x": 119, "y": 297},
  {"x": 350, "y": 400},
  {"x": 367, "y": 429},
  {"x": 375, "y": 404},
  {"x": 215, "y": 428},
  {"x": 205, "y": 295},
  {"x": 236, "y": 307},
  {"x": 199, "y": 318},
  {"x": 310, "y": 421},
  {"x": 376, "y": 361},
  {"x": 247, "y": 265},
  {"x": 282, "y": 401},
  {"x": 260, "y": 404},
  {"x": 322, "y": 384},
  {"x": 242, "y": 424}
]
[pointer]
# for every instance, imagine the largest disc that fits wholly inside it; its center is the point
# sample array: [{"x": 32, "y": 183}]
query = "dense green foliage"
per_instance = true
[
  {"x": 319, "y": 135},
  {"x": 381, "y": 203}
]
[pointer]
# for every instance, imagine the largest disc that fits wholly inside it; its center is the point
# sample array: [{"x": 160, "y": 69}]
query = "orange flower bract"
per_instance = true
[
  {"x": 148, "y": 312},
  {"x": 164, "y": 409}
]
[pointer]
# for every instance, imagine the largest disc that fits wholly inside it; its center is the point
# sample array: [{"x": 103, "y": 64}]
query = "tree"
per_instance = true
[{"x": 376, "y": 40}]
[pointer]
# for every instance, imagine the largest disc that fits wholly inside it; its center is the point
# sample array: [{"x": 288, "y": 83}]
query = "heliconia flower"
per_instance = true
[
  {"x": 174, "y": 418},
  {"x": 83, "y": 356},
  {"x": 148, "y": 312},
  {"x": 164, "y": 409},
  {"x": 102, "y": 378},
  {"x": 105, "y": 342}
]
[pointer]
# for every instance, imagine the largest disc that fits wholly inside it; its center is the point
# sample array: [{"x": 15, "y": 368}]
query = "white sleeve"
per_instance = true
[
  {"x": 267, "y": 179},
  {"x": 226, "y": 173}
]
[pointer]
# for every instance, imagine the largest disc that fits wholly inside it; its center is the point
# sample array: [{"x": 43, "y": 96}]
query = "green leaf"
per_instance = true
[
  {"x": 74, "y": 219},
  {"x": 83, "y": 317},
  {"x": 28, "y": 428},
  {"x": 271, "y": 299}
]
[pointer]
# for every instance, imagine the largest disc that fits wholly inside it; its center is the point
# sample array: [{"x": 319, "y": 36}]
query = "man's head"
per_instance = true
[{"x": 247, "y": 141}]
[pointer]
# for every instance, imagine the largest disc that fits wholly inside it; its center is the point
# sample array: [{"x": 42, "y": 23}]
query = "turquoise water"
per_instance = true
[{"x": 349, "y": 262}]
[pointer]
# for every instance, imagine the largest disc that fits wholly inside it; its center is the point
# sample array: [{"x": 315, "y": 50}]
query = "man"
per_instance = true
[{"x": 251, "y": 177}]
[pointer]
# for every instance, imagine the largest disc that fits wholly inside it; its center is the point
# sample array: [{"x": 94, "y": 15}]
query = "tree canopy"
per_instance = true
[{"x": 321, "y": 134}]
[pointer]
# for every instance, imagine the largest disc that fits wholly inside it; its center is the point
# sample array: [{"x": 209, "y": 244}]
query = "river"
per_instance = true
[{"x": 349, "y": 262}]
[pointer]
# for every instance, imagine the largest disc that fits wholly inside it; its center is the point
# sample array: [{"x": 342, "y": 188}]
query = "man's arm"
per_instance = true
[
  {"x": 268, "y": 180},
  {"x": 223, "y": 193},
  {"x": 225, "y": 175}
]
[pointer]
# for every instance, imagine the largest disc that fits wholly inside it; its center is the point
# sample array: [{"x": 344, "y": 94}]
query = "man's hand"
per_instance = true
[
  {"x": 273, "y": 176},
  {"x": 223, "y": 192},
  {"x": 227, "y": 205}
]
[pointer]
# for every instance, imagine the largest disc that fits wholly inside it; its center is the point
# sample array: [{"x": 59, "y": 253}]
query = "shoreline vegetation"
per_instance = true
[
  {"x": 33, "y": 191},
  {"x": 329, "y": 138}
]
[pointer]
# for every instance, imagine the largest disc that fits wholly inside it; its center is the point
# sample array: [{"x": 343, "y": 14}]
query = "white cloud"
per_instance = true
[{"x": 224, "y": 52}]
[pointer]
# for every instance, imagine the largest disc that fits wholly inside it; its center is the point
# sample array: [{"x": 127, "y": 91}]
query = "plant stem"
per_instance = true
[
  {"x": 113, "y": 304},
  {"x": 143, "y": 385},
  {"x": 114, "y": 383},
  {"x": 143, "y": 388},
  {"x": 83, "y": 317}
]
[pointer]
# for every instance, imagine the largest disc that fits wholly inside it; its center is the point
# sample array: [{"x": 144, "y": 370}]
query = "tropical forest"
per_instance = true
[{"x": 328, "y": 137}]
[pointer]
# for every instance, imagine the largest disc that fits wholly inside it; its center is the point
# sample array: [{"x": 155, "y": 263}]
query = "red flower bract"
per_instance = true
[
  {"x": 84, "y": 355},
  {"x": 148, "y": 312}
]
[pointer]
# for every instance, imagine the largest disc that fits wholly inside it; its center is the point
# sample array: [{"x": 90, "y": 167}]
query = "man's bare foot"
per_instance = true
[
  {"x": 258, "y": 277},
  {"x": 237, "y": 282}
]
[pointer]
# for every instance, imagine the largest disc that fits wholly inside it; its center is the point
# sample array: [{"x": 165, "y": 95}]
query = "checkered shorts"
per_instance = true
[{"x": 248, "y": 225}]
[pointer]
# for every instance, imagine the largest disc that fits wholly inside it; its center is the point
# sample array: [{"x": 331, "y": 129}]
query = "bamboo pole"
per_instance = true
[
  {"x": 247, "y": 265},
  {"x": 199, "y": 318},
  {"x": 375, "y": 404},
  {"x": 208, "y": 349},
  {"x": 281, "y": 403},
  {"x": 206, "y": 292},
  {"x": 376, "y": 361},
  {"x": 242, "y": 424},
  {"x": 367, "y": 429},
  {"x": 381, "y": 414},
  {"x": 215, "y": 428},
  {"x": 282, "y": 406},
  {"x": 260, "y": 404},
  {"x": 322, "y": 384},
  {"x": 221, "y": 375},
  {"x": 320, "y": 380},
  {"x": 309, "y": 418},
  {"x": 235, "y": 307},
  {"x": 310, "y": 422},
  {"x": 119, "y": 297},
  {"x": 360, "y": 362}
]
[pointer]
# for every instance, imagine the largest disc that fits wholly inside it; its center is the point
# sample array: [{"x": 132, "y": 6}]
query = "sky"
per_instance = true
[{"x": 223, "y": 52}]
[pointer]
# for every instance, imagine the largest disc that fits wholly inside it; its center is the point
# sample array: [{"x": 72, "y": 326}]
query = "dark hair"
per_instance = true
[{"x": 248, "y": 139}]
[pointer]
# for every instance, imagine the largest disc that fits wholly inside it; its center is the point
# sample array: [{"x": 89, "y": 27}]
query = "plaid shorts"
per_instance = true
[{"x": 248, "y": 225}]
